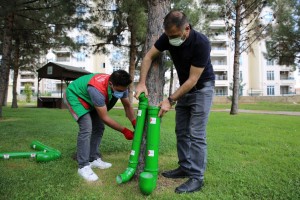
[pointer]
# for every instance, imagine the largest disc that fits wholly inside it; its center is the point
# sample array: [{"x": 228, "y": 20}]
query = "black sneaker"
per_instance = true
[{"x": 176, "y": 173}]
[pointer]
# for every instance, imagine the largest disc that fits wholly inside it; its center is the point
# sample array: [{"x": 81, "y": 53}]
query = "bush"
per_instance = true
[{"x": 28, "y": 92}]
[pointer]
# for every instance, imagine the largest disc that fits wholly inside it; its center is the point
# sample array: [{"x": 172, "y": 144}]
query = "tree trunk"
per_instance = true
[
  {"x": 5, "y": 92},
  {"x": 16, "y": 73},
  {"x": 7, "y": 45},
  {"x": 235, "y": 90},
  {"x": 132, "y": 54},
  {"x": 157, "y": 9},
  {"x": 171, "y": 80}
]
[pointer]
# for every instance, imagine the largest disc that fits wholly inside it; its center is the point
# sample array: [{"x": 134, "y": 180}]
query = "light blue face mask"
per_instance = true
[
  {"x": 118, "y": 94},
  {"x": 176, "y": 41}
]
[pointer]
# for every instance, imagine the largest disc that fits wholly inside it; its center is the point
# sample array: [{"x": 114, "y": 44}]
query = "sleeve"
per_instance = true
[
  {"x": 97, "y": 97},
  {"x": 201, "y": 54},
  {"x": 162, "y": 43}
]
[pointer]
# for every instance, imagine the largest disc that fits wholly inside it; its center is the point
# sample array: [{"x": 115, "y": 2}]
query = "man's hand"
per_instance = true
[
  {"x": 140, "y": 88},
  {"x": 127, "y": 133},
  {"x": 165, "y": 106}
]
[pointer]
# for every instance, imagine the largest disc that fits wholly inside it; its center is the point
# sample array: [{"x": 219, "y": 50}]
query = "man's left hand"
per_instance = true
[{"x": 165, "y": 106}]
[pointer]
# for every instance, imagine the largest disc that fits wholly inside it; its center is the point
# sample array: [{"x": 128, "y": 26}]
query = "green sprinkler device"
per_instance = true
[{"x": 148, "y": 178}]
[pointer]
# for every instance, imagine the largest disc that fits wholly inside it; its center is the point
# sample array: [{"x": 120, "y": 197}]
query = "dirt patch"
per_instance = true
[{"x": 163, "y": 182}]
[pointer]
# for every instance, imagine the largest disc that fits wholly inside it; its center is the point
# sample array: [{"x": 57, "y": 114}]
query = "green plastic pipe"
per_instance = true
[
  {"x": 136, "y": 143},
  {"x": 44, "y": 153},
  {"x": 9, "y": 155},
  {"x": 148, "y": 178},
  {"x": 48, "y": 154}
]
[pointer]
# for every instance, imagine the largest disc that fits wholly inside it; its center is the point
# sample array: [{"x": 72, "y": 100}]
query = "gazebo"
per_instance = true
[{"x": 64, "y": 73}]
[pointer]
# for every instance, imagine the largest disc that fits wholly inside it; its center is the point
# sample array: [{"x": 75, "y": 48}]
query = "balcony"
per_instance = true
[
  {"x": 220, "y": 67},
  {"x": 221, "y": 83},
  {"x": 221, "y": 91},
  {"x": 218, "y": 52},
  {"x": 287, "y": 80},
  {"x": 63, "y": 59}
]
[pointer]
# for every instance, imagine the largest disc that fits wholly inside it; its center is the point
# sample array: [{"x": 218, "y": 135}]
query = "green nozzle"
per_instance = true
[
  {"x": 148, "y": 178},
  {"x": 147, "y": 182},
  {"x": 136, "y": 143}
]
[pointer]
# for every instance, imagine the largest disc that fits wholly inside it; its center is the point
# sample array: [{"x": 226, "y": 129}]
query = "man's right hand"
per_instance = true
[
  {"x": 140, "y": 88},
  {"x": 127, "y": 133}
]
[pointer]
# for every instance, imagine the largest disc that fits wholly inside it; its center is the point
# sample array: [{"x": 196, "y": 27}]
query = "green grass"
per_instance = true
[
  {"x": 263, "y": 106},
  {"x": 250, "y": 156}
]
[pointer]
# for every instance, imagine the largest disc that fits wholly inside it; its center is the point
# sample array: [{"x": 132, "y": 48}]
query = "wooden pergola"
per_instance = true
[{"x": 64, "y": 73}]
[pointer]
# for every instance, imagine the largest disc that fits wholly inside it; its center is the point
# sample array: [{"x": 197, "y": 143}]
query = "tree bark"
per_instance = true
[
  {"x": 6, "y": 57},
  {"x": 157, "y": 9},
  {"x": 235, "y": 90},
  {"x": 132, "y": 54},
  {"x": 171, "y": 80},
  {"x": 16, "y": 73}
]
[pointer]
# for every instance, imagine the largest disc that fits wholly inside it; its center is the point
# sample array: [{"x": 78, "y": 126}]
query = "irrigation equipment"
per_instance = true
[
  {"x": 148, "y": 178},
  {"x": 43, "y": 154}
]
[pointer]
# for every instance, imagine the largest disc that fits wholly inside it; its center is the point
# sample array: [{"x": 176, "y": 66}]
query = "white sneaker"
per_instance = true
[
  {"x": 100, "y": 164},
  {"x": 87, "y": 173}
]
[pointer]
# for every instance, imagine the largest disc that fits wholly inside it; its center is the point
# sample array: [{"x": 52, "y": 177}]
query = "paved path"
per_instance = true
[
  {"x": 250, "y": 111},
  {"x": 261, "y": 112}
]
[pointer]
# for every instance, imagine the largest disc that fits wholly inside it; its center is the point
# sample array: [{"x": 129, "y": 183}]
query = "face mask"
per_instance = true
[
  {"x": 118, "y": 94},
  {"x": 176, "y": 41}
]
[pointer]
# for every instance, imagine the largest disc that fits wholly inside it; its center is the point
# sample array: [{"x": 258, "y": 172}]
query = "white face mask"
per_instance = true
[{"x": 176, "y": 41}]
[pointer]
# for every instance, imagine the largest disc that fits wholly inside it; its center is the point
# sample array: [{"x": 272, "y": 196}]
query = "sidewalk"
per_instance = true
[
  {"x": 260, "y": 112},
  {"x": 249, "y": 111}
]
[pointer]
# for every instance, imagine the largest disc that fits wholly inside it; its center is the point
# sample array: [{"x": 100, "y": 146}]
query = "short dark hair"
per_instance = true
[
  {"x": 175, "y": 17},
  {"x": 120, "y": 78}
]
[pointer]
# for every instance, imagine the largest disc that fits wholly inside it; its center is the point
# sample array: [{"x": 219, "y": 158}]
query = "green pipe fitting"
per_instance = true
[
  {"x": 148, "y": 178},
  {"x": 48, "y": 154},
  {"x": 41, "y": 147},
  {"x": 44, "y": 153},
  {"x": 136, "y": 143}
]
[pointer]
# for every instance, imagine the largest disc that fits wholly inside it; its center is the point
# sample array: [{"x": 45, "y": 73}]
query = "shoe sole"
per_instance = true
[
  {"x": 181, "y": 192},
  {"x": 100, "y": 167}
]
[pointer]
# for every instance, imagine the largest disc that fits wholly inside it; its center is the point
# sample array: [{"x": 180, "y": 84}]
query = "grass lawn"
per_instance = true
[
  {"x": 250, "y": 156},
  {"x": 263, "y": 106}
]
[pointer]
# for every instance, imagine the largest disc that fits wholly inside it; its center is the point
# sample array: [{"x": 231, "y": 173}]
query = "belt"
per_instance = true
[{"x": 199, "y": 86}]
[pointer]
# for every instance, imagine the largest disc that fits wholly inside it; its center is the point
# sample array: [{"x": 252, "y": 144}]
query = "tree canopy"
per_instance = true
[{"x": 284, "y": 42}]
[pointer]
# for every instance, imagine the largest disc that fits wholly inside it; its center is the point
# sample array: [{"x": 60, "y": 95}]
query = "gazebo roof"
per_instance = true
[{"x": 60, "y": 72}]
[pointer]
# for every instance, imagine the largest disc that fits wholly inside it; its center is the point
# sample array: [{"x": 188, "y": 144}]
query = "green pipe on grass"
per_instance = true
[
  {"x": 136, "y": 143},
  {"x": 44, "y": 153},
  {"x": 48, "y": 154},
  {"x": 148, "y": 178}
]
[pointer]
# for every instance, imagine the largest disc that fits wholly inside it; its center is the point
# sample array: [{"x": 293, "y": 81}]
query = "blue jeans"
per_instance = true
[
  {"x": 91, "y": 130},
  {"x": 192, "y": 111}
]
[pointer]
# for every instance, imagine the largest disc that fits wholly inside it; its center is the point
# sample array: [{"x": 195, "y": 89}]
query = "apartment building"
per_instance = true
[{"x": 258, "y": 76}]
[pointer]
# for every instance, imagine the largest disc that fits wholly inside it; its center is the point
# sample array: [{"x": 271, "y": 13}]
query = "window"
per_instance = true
[
  {"x": 80, "y": 57},
  {"x": 270, "y": 90},
  {"x": 270, "y": 75},
  {"x": 115, "y": 68},
  {"x": 270, "y": 62},
  {"x": 80, "y": 10},
  {"x": 103, "y": 65},
  {"x": 80, "y": 39},
  {"x": 220, "y": 91},
  {"x": 81, "y": 26}
]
